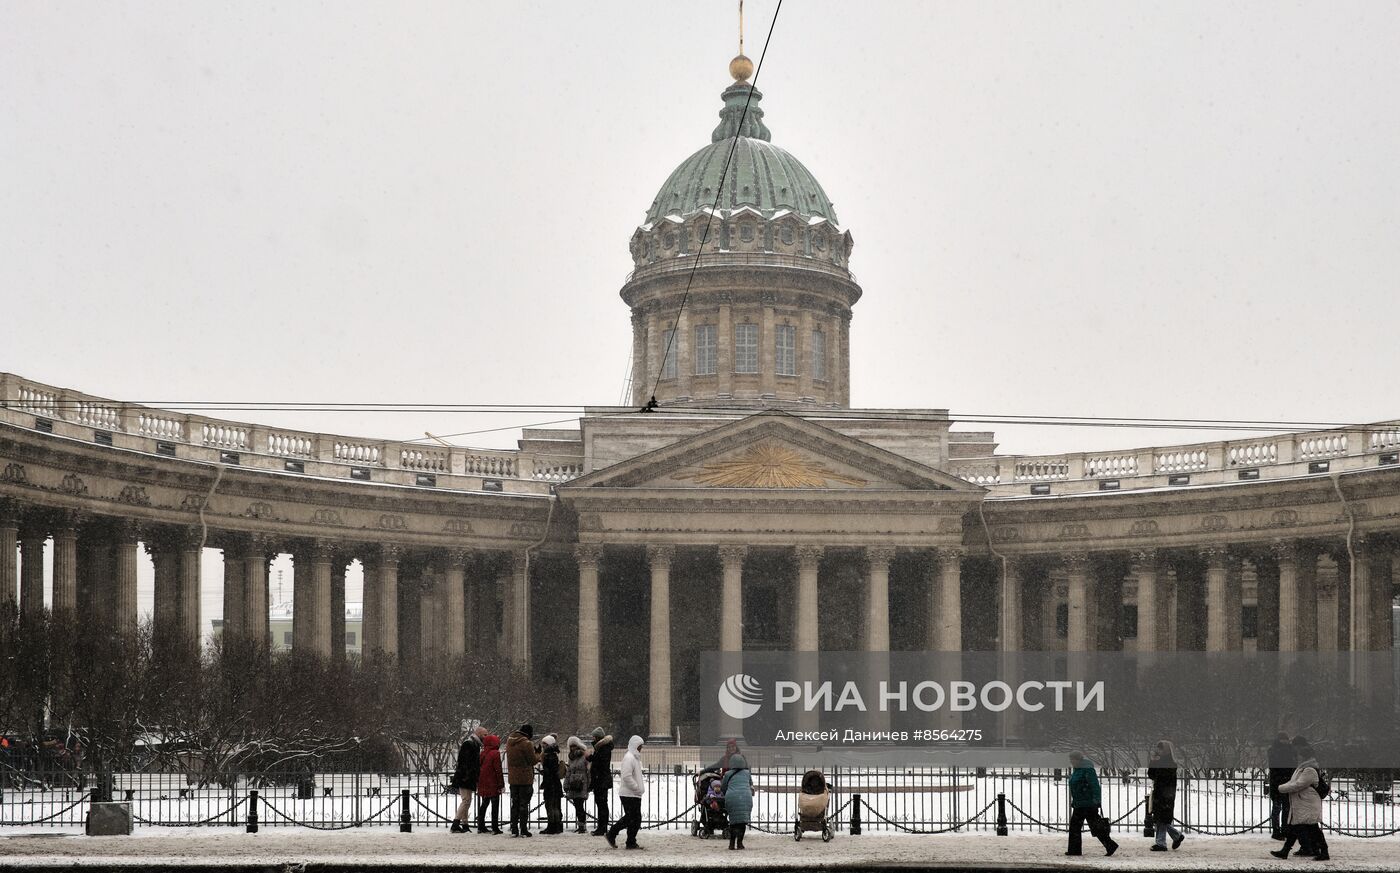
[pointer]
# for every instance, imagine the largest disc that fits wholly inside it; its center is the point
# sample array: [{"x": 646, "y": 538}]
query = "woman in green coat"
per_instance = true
[{"x": 737, "y": 786}]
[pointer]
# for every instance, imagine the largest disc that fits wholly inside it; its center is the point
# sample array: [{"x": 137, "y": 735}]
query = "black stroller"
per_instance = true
[{"x": 709, "y": 803}]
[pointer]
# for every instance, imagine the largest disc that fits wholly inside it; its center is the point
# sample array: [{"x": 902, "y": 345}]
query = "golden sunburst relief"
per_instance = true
[{"x": 768, "y": 465}]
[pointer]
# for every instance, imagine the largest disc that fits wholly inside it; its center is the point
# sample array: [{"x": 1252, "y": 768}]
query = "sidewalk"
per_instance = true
[{"x": 281, "y": 849}]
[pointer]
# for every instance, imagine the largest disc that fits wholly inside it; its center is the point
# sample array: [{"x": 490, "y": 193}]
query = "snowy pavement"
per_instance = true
[{"x": 383, "y": 849}]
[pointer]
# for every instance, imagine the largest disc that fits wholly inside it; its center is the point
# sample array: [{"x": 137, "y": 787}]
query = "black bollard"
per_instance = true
[
  {"x": 1148, "y": 829},
  {"x": 855, "y": 815},
  {"x": 405, "y": 815},
  {"x": 252, "y": 811},
  {"x": 1002, "y": 830}
]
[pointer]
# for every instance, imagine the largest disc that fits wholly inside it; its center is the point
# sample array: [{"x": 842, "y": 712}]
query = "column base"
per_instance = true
[{"x": 660, "y": 740}]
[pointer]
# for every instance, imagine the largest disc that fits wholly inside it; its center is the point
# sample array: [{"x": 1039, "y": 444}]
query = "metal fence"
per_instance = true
[{"x": 866, "y": 799}]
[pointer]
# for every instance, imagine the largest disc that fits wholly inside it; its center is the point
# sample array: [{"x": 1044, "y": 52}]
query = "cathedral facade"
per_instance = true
[{"x": 740, "y": 503}]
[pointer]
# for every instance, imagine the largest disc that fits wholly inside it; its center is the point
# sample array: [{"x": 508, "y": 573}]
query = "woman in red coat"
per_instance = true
[{"x": 489, "y": 784}]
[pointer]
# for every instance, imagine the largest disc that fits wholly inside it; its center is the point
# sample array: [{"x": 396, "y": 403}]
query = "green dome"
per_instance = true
[{"x": 761, "y": 175}]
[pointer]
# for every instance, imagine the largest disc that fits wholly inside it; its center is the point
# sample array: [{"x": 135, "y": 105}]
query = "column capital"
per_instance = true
[
  {"x": 1075, "y": 562},
  {"x": 457, "y": 557},
  {"x": 127, "y": 530},
  {"x": 660, "y": 556},
  {"x": 321, "y": 550},
  {"x": 809, "y": 553},
  {"x": 1143, "y": 560},
  {"x": 11, "y": 510},
  {"x": 588, "y": 554},
  {"x": 1216, "y": 557},
  {"x": 733, "y": 554},
  {"x": 390, "y": 554},
  {"x": 1286, "y": 550},
  {"x": 949, "y": 553},
  {"x": 880, "y": 554}
]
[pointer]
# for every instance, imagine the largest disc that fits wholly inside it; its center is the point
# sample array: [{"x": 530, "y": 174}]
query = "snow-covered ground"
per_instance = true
[{"x": 386, "y": 847}]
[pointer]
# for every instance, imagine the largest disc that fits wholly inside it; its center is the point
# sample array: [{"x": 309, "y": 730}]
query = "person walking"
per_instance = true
[
  {"x": 490, "y": 783},
  {"x": 576, "y": 782},
  {"x": 1162, "y": 771},
  {"x": 737, "y": 785},
  {"x": 521, "y": 757},
  {"x": 1304, "y": 808},
  {"x": 464, "y": 779},
  {"x": 1085, "y": 802},
  {"x": 600, "y": 778},
  {"x": 1282, "y": 761},
  {"x": 630, "y": 791},
  {"x": 551, "y": 785}
]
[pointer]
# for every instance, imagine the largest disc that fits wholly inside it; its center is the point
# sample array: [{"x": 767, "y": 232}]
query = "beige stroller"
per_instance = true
[{"x": 812, "y": 802}]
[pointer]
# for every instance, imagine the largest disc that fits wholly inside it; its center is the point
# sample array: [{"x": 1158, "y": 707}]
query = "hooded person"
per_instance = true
[
  {"x": 521, "y": 757},
  {"x": 737, "y": 786},
  {"x": 1304, "y": 807},
  {"x": 489, "y": 785},
  {"x": 731, "y": 748},
  {"x": 464, "y": 779},
  {"x": 1162, "y": 771},
  {"x": 576, "y": 782},
  {"x": 632, "y": 785},
  {"x": 1085, "y": 798},
  {"x": 551, "y": 784},
  {"x": 1282, "y": 758},
  {"x": 600, "y": 778}
]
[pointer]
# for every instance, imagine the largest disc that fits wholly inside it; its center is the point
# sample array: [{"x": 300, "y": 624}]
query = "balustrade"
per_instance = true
[
  {"x": 1041, "y": 469},
  {"x": 357, "y": 453},
  {"x": 1178, "y": 461},
  {"x": 1332, "y": 445},
  {"x": 1253, "y": 454},
  {"x": 1110, "y": 465},
  {"x": 291, "y": 445},
  {"x": 490, "y": 465},
  {"x": 427, "y": 460}
]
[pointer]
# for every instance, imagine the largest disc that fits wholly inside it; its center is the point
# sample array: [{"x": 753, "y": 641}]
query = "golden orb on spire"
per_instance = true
[{"x": 741, "y": 68}]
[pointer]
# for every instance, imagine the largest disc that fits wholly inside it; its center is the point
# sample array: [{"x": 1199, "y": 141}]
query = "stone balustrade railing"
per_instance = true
[
  {"x": 1275, "y": 457},
  {"x": 200, "y": 438},
  {"x": 740, "y": 259}
]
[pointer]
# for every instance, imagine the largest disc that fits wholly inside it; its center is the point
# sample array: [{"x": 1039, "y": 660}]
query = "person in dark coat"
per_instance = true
[
  {"x": 1282, "y": 759},
  {"x": 489, "y": 784},
  {"x": 600, "y": 779},
  {"x": 1162, "y": 771},
  {"x": 576, "y": 782},
  {"x": 464, "y": 780},
  {"x": 1085, "y": 801},
  {"x": 551, "y": 785},
  {"x": 737, "y": 786},
  {"x": 521, "y": 757}
]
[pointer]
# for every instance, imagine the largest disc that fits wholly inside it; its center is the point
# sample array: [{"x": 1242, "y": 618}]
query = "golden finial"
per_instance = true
[{"x": 741, "y": 68}]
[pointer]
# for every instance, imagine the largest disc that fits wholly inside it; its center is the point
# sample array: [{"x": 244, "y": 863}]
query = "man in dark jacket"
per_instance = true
[
  {"x": 600, "y": 778},
  {"x": 1282, "y": 760},
  {"x": 464, "y": 779},
  {"x": 521, "y": 757},
  {"x": 1085, "y": 802},
  {"x": 1162, "y": 771}
]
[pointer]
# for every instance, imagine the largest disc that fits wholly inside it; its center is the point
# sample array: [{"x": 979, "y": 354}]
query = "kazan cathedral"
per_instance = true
[{"x": 731, "y": 516}]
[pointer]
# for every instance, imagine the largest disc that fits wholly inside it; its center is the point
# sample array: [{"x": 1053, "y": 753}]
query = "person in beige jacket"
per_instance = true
[{"x": 1304, "y": 808}]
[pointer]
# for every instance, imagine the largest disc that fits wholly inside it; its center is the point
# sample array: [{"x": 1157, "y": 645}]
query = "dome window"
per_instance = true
[
  {"x": 787, "y": 235},
  {"x": 746, "y": 232}
]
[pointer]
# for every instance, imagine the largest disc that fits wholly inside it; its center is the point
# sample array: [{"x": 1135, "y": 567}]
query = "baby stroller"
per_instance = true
[
  {"x": 709, "y": 803},
  {"x": 811, "y": 807}
]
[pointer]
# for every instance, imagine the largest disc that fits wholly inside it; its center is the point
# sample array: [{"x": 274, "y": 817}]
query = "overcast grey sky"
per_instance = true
[{"x": 1176, "y": 209}]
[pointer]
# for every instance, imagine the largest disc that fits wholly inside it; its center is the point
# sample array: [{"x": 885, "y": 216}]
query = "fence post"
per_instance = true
[
  {"x": 1148, "y": 829},
  {"x": 855, "y": 815},
  {"x": 252, "y": 811},
  {"x": 1001, "y": 814},
  {"x": 102, "y": 790},
  {"x": 405, "y": 815}
]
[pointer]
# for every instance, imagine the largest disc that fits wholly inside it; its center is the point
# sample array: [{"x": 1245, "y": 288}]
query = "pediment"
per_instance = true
[{"x": 772, "y": 451}]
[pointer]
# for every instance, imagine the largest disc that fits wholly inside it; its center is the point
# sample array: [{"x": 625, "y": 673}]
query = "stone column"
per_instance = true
[
  {"x": 685, "y": 361},
  {"x": 1234, "y": 602},
  {"x": 659, "y": 724},
  {"x": 429, "y": 616},
  {"x": 590, "y": 693},
  {"x": 318, "y": 626},
  {"x": 519, "y": 612},
  {"x": 1306, "y": 558},
  {"x": 31, "y": 571},
  {"x": 1326, "y": 582},
  {"x": 388, "y": 585},
  {"x": 1360, "y": 618},
  {"x": 1009, "y": 636},
  {"x": 803, "y": 352},
  {"x": 454, "y": 603},
  {"x": 806, "y": 634},
  {"x": 235, "y": 595},
  {"x": 255, "y": 607},
  {"x": 1384, "y": 611},
  {"x": 731, "y": 597},
  {"x": 1077, "y": 572},
  {"x": 124, "y": 546},
  {"x": 337, "y": 606},
  {"x": 94, "y": 573},
  {"x": 641, "y": 388},
  {"x": 165, "y": 559},
  {"x": 724, "y": 338},
  {"x": 303, "y": 595},
  {"x": 950, "y": 610},
  {"x": 1286, "y": 554},
  {"x": 65, "y": 566},
  {"x": 1217, "y": 607},
  {"x": 9, "y": 554},
  {"x": 1145, "y": 572},
  {"x": 191, "y": 555},
  {"x": 877, "y": 598}
]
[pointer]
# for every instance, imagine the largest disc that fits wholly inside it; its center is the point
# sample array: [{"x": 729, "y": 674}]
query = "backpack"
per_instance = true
[{"x": 1324, "y": 785}]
